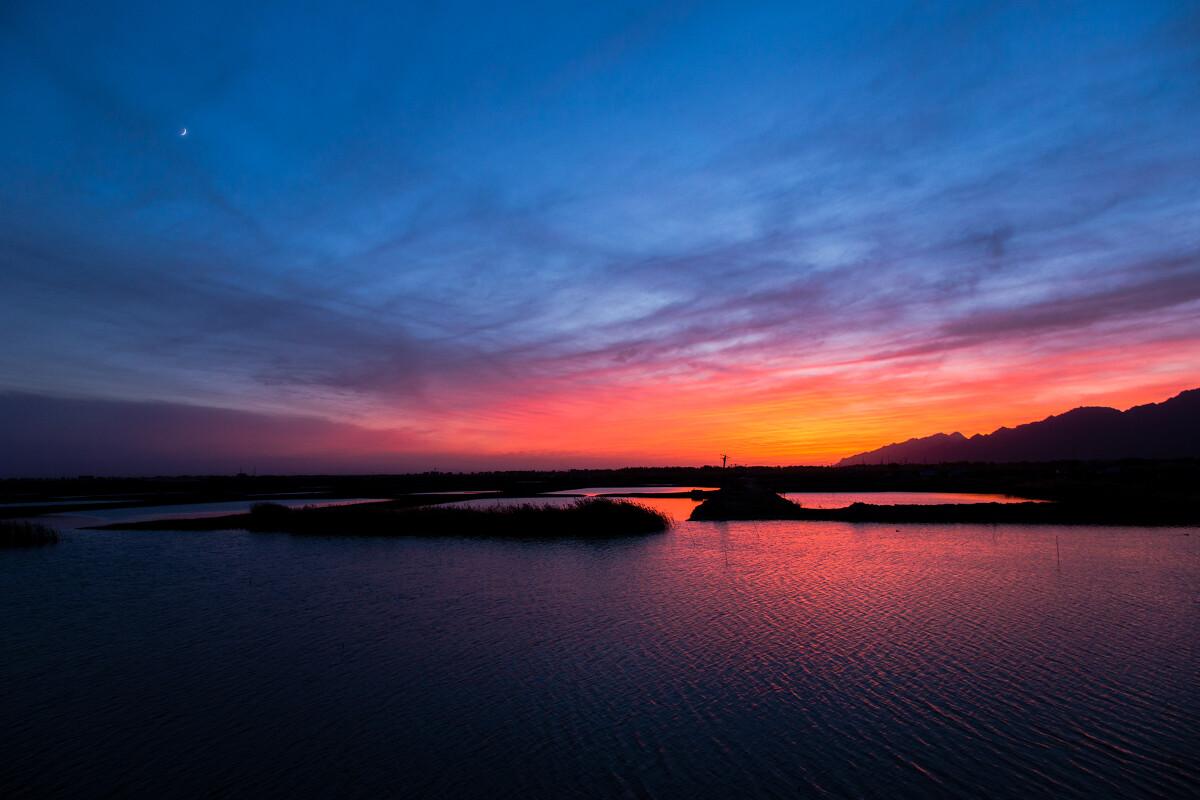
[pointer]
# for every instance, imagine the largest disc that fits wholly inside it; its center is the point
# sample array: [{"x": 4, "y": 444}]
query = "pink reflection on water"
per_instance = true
[{"x": 844, "y": 499}]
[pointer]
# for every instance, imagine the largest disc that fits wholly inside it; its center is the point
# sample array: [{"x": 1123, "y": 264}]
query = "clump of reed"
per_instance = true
[{"x": 26, "y": 534}]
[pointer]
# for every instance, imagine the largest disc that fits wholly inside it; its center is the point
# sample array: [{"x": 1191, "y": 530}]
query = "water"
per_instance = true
[
  {"x": 108, "y": 516},
  {"x": 776, "y": 659},
  {"x": 677, "y": 508},
  {"x": 680, "y": 508},
  {"x": 35, "y": 503},
  {"x": 843, "y": 499}
]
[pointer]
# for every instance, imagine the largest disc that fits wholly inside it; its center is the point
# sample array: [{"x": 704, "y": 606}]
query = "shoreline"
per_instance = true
[
  {"x": 973, "y": 513},
  {"x": 584, "y": 519},
  {"x": 745, "y": 500}
]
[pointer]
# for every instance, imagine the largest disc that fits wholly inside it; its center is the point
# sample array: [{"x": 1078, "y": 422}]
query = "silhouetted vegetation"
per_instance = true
[
  {"x": 1048, "y": 480},
  {"x": 26, "y": 534},
  {"x": 1130, "y": 491},
  {"x": 586, "y": 519},
  {"x": 745, "y": 500},
  {"x": 751, "y": 502}
]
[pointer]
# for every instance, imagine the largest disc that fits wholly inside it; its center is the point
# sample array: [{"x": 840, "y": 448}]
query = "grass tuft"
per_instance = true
[{"x": 26, "y": 534}]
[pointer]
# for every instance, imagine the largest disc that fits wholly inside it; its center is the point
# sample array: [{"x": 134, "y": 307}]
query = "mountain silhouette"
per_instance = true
[{"x": 1170, "y": 429}]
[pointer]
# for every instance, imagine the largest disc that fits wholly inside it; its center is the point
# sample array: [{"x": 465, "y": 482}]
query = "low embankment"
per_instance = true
[
  {"x": 760, "y": 505},
  {"x": 585, "y": 519}
]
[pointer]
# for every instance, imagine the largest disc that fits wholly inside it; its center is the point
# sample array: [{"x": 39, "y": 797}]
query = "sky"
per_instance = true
[{"x": 459, "y": 236}]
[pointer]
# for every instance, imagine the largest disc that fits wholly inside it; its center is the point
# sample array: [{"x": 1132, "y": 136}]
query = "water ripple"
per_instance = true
[{"x": 718, "y": 660}]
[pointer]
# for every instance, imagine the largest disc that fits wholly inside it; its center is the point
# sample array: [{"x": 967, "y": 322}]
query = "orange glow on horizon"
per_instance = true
[{"x": 812, "y": 417}]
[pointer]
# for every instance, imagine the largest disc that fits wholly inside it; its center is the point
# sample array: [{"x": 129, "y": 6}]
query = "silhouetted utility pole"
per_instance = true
[{"x": 724, "y": 458}]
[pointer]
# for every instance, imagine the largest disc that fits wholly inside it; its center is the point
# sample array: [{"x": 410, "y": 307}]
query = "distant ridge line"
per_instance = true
[{"x": 1170, "y": 429}]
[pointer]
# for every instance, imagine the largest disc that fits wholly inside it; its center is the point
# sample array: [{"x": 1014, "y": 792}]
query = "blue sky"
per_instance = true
[{"x": 449, "y": 223}]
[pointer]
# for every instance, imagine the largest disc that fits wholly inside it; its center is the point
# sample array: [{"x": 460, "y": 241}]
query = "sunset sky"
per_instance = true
[{"x": 479, "y": 235}]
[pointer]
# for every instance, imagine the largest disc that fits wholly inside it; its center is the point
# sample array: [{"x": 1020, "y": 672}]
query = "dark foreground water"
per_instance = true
[{"x": 718, "y": 660}]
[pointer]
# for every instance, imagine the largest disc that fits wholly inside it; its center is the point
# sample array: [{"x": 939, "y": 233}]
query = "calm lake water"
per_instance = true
[
  {"x": 717, "y": 660},
  {"x": 843, "y": 499},
  {"x": 680, "y": 508},
  {"x": 107, "y": 516}
]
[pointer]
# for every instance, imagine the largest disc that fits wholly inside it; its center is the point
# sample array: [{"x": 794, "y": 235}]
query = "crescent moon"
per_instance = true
[{"x": 183, "y": 132}]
